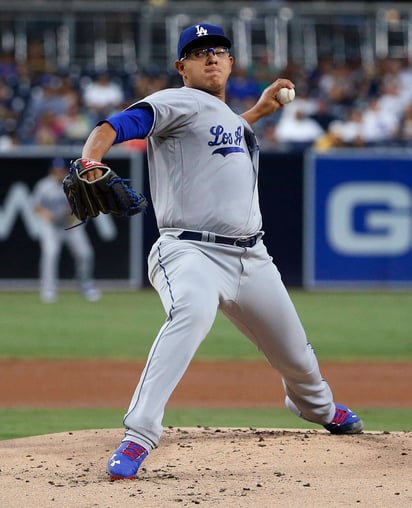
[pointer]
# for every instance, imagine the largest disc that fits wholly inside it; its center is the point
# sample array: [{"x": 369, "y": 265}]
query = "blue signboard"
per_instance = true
[{"x": 358, "y": 219}]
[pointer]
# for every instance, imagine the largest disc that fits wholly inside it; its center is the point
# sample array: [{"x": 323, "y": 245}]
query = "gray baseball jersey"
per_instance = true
[
  {"x": 201, "y": 174},
  {"x": 48, "y": 193}
]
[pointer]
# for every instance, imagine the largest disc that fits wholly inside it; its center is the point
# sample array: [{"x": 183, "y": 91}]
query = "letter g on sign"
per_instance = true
[{"x": 385, "y": 209}]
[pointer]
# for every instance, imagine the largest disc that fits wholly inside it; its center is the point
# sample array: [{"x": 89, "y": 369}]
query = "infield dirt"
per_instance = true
[
  {"x": 205, "y": 466},
  {"x": 88, "y": 383}
]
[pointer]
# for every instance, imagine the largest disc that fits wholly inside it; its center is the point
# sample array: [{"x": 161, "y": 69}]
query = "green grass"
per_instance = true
[
  {"x": 121, "y": 325},
  {"x": 363, "y": 325},
  {"x": 17, "y": 423},
  {"x": 341, "y": 326}
]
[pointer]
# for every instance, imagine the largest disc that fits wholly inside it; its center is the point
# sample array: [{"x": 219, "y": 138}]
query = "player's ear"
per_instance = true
[
  {"x": 232, "y": 62},
  {"x": 180, "y": 67}
]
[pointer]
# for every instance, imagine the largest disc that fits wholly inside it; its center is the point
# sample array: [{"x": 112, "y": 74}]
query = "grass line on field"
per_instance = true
[
  {"x": 15, "y": 423},
  {"x": 340, "y": 326}
]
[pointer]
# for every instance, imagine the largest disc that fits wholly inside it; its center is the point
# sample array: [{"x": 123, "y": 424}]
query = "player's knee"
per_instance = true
[
  {"x": 84, "y": 257},
  {"x": 196, "y": 313}
]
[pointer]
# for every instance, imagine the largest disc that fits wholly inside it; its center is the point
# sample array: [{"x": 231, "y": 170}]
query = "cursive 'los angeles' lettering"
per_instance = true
[
  {"x": 224, "y": 138},
  {"x": 221, "y": 137}
]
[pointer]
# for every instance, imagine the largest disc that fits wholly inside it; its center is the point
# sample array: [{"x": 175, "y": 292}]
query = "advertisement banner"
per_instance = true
[
  {"x": 117, "y": 241},
  {"x": 358, "y": 219}
]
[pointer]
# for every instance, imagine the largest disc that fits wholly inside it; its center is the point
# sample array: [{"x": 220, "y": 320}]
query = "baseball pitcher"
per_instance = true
[{"x": 210, "y": 254}]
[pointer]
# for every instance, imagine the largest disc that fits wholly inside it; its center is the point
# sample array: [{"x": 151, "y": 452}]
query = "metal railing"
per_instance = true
[{"x": 124, "y": 35}]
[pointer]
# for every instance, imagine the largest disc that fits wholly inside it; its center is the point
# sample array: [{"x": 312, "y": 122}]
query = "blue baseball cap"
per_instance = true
[
  {"x": 58, "y": 163},
  {"x": 199, "y": 35}
]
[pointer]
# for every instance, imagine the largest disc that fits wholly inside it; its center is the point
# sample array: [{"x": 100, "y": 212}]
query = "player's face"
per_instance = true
[
  {"x": 59, "y": 173},
  {"x": 206, "y": 69}
]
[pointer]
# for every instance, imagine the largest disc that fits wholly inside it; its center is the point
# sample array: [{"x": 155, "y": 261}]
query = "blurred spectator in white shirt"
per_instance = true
[
  {"x": 378, "y": 125},
  {"x": 103, "y": 95},
  {"x": 297, "y": 130}
]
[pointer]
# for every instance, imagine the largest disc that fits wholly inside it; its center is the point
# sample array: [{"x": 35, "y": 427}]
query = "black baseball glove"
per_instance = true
[{"x": 107, "y": 194}]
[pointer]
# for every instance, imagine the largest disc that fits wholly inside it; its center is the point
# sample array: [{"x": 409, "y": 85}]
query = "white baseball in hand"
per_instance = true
[{"x": 285, "y": 95}]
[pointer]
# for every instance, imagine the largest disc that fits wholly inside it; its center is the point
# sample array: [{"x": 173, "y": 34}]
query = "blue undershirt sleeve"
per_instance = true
[{"x": 135, "y": 123}]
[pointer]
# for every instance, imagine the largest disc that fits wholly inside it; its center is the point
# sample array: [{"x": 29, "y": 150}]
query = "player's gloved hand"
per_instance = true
[{"x": 106, "y": 194}]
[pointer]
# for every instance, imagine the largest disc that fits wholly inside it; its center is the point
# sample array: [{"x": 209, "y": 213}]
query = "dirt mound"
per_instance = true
[
  {"x": 212, "y": 467},
  {"x": 78, "y": 383}
]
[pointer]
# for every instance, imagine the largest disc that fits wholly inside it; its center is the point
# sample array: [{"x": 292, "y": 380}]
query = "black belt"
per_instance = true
[{"x": 242, "y": 241}]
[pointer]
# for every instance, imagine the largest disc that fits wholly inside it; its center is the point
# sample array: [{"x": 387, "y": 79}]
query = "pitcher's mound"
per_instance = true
[{"x": 211, "y": 467}]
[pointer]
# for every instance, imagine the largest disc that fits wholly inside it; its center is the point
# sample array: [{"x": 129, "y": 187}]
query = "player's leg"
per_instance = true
[
  {"x": 186, "y": 282},
  {"x": 50, "y": 247},
  {"x": 264, "y": 312},
  {"x": 82, "y": 251}
]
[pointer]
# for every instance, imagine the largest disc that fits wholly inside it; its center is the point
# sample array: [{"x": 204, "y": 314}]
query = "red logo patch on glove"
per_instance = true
[{"x": 89, "y": 163}]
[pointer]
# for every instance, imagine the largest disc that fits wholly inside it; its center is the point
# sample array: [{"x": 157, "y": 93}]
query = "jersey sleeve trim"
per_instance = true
[{"x": 135, "y": 122}]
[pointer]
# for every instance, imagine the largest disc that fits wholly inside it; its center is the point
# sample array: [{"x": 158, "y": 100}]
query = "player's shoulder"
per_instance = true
[
  {"x": 181, "y": 99},
  {"x": 45, "y": 180},
  {"x": 183, "y": 92},
  {"x": 164, "y": 96},
  {"x": 168, "y": 93},
  {"x": 43, "y": 186}
]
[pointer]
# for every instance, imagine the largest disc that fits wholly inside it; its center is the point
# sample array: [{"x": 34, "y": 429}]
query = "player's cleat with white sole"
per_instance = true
[
  {"x": 344, "y": 422},
  {"x": 91, "y": 293},
  {"x": 48, "y": 297},
  {"x": 126, "y": 460}
]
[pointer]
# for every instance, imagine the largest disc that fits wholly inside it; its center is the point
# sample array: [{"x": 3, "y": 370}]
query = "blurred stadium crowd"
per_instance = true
[{"x": 336, "y": 105}]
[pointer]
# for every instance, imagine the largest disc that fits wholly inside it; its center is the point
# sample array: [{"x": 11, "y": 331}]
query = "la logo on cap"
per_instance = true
[{"x": 200, "y": 31}]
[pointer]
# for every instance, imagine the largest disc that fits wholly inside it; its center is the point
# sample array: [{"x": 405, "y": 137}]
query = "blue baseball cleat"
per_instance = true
[
  {"x": 344, "y": 422},
  {"x": 126, "y": 460}
]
